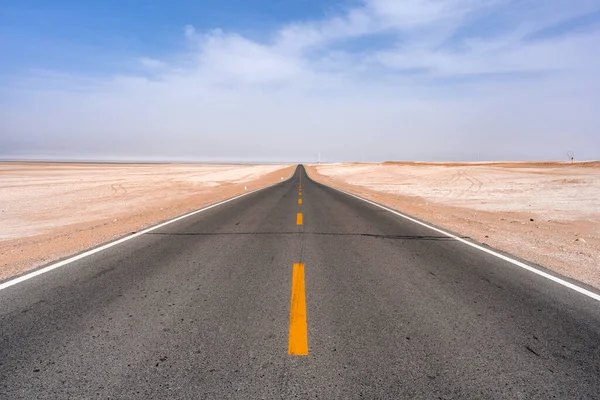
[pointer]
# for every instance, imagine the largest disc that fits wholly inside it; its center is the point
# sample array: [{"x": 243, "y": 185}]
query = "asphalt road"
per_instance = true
[{"x": 200, "y": 309}]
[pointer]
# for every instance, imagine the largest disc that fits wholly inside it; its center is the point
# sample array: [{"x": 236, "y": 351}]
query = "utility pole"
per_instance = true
[{"x": 571, "y": 156}]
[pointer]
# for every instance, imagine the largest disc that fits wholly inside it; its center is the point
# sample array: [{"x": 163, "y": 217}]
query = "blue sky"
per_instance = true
[
  {"x": 285, "y": 80},
  {"x": 37, "y": 32}
]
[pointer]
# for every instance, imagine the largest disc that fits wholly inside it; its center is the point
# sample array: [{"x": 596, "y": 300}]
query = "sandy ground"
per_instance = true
[
  {"x": 547, "y": 213},
  {"x": 49, "y": 211}
]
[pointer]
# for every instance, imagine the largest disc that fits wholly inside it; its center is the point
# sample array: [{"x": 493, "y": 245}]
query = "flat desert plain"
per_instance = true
[
  {"x": 49, "y": 211},
  {"x": 546, "y": 213}
]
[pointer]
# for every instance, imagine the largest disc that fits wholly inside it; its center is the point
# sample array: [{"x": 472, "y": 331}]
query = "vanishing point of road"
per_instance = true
[{"x": 296, "y": 291}]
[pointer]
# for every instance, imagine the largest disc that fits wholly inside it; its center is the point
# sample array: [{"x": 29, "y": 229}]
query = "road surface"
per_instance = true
[{"x": 369, "y": 305}]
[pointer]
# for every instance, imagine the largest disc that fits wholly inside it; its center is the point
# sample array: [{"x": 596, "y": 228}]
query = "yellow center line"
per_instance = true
[
  {"x": 298, "y": 338},
  {"x": 299, "y": 201},
  {"x": 299, "y": 219}
]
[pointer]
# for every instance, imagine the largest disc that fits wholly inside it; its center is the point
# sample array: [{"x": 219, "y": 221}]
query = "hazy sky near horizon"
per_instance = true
[{"x": 285, "y": 80}]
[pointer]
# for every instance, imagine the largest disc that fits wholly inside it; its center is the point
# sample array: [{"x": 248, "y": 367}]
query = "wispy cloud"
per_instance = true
[
  {"x": 452, "y": 79},
  {"x": 152, "y": 63},
  {"x": 189, "y": 31}
]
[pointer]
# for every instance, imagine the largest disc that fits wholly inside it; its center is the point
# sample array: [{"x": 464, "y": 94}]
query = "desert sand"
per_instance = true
[
  {"x": 50, "y": 211},
  {"x": 546, "y": 213}
]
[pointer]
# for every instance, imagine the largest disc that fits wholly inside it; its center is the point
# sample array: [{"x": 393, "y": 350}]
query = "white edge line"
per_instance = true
[
  {"x": 59, "y": 264},
  {"x": 546, "y": 275}
]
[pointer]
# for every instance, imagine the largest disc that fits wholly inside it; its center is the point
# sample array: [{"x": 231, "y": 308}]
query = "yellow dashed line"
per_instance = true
[
  {"x": 298, "y": 337},
  {"x": 299, "y": 201},
  {"x": 299, "y": 219}
]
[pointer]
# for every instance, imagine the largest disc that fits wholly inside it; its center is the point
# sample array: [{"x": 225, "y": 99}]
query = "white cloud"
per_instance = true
[
  {"x": 299, "y": 37},
  {"x": 415, "y": 13},
  {"x": 233, "y": 58},
  {"x": 568, "y": 54}
]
